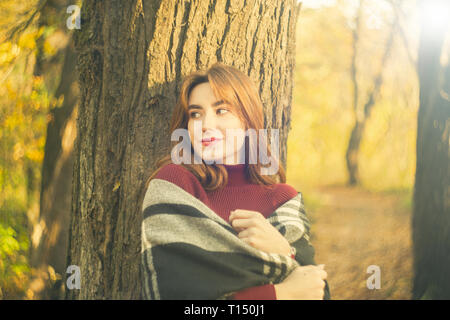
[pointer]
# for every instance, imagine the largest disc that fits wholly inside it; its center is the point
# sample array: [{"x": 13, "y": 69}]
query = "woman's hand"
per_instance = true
[
  {"x": 255, "y": 230},
  {"x": 304, "y": 283}
]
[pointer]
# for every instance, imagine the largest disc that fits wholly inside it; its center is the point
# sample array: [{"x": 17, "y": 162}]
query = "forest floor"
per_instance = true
[{"x": 352, "y": 229}]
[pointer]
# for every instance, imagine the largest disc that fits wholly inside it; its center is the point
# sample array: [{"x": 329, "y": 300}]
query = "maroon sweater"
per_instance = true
[{"x": 239, "y": 193}]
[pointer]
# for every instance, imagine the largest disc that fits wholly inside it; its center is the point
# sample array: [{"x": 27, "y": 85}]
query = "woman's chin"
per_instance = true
[
  {"x": 211, "y": 155},
  {"x": 213, "y": 160}
]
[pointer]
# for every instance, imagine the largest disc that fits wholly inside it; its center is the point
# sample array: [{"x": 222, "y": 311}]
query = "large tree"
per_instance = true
[
  {"x": 132, "y": 57},
  {"x": 431, "y": 216}
]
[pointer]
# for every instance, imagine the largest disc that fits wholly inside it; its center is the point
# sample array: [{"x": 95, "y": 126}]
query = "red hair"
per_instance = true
[{"x": 236, "y": 89}]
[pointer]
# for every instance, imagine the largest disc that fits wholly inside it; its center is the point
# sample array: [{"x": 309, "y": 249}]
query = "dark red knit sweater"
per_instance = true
[{"x": 239, "y": 193}]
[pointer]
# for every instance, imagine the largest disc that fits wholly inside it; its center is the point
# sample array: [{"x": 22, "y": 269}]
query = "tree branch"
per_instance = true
[{"x": 22, "y": 26}]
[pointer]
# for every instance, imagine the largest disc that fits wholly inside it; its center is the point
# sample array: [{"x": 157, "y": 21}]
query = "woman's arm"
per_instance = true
[
  {"x": 305, "y": 282},
  {"x": 264, "y": 292}
]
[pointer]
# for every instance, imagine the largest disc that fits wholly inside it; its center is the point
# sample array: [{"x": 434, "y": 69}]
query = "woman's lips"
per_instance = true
[{"x": 207, "y": 141}]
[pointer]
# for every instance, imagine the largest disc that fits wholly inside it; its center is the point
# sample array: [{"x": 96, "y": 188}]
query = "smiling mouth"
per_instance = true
[{"x": 208, "y": 141}]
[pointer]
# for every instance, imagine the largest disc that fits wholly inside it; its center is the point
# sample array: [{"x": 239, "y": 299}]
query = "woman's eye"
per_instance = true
[
  {"x": 222, "y": 111},
  {"x": 194, "y": 115}
]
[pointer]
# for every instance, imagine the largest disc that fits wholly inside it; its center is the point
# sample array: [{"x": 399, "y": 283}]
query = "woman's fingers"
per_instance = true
[
  {"x": 240, "y": 213},
  {"x": 244, "y": 223},
  {"x": 243, "y": 219},
  {"x": 247, "y": 232},
  {"x": 320, "y": 272},
  {"x": 251, "y": 241},
  {"x": 323, "y": 274}
]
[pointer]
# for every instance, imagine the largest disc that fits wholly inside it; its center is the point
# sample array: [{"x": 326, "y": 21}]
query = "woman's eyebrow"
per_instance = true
[{"x": 215, "y": 104}]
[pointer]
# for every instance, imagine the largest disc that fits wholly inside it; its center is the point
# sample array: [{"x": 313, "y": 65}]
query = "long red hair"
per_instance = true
[{"x": 236, "y": 89}]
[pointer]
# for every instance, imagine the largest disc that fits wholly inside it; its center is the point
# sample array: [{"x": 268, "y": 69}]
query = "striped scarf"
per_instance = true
[{"x": 189, "y": 252}]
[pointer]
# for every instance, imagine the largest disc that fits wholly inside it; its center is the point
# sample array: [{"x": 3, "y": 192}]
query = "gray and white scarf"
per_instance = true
[{"x": 189, "y": 252}]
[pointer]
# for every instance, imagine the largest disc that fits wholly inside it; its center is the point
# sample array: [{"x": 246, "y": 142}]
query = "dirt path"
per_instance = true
[{"x": 353, "y": 229}]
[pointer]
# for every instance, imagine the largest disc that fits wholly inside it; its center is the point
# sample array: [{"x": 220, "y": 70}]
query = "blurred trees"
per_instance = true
[
  {"x": 24, "y": 104},
  {"x": 335, "y": 87},
  {"x": 431, "y": 216},
  {"x": 36, "y": 105},
  {"x": 51, "y": 228},
  {"x": 342, "y": 67},
  {"x": 362, "y": 109}
]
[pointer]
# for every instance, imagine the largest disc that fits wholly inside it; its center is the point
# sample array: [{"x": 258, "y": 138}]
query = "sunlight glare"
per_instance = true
[{"x": 435, "y": 14}]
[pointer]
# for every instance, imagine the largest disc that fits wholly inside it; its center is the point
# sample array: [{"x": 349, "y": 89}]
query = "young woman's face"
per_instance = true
[{"x": 208, "y": 122}]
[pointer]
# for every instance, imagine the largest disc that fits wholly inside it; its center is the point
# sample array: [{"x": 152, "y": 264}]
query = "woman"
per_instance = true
[{"x": 238, "y": 201}]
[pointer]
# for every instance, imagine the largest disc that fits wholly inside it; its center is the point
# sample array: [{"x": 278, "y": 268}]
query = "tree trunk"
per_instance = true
[
  {"x": 50, "y": 249},
  {"x": 431, "y": 213},
  {"x": 132, "y": 58},
  {"x": 50, "y": 231},
  {"x": 362, "y": 114}
]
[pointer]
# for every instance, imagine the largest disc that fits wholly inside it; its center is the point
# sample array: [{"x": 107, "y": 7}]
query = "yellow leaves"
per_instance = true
[
  {"x": 12, "y": 94},
  {"x": 24, "y": 104},
  {"x": 49, "y": 118},
  {"x": 116, "y": 186},
  {"x": 33, "y": 152},
  {"x": 27, "y": 40},
  {"x": 36, "y": 151},
  {"x": 35, "y": 155},
  {"x": 18, "y": 152},
  {"x": 8, "y": 243},
  {"x": 38, "y": 81},
  {"x": 52, "y": 274},
  {"x": 56, "y": 103},
  {"x": 49, "y": 50},
  {"x": 8, "y": 52},
  {"x": 25, "y": 108},
  {"x": 13, "y": 121}
]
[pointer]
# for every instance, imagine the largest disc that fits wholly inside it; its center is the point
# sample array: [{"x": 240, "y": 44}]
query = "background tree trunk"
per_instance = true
[
  {"x": 362, "y": 113},
  {"x": 50, "y": 231},
  {"x": 50, "y": 249},
  {"x": 431, "y": 216},
  {"x": 132, "y": 56}
]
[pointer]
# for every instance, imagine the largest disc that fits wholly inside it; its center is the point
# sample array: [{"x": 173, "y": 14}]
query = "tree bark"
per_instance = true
[
  {"x": 132, "y": 56},
  {"x": 431, "y": 211}
]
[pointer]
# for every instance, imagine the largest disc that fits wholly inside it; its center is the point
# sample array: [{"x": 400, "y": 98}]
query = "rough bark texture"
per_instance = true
[
  {"x": 431, "y": 216},
  {"x": 132, "y": 56}
]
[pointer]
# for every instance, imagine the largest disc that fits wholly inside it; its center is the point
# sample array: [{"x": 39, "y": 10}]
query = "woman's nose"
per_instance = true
[{"x": 209, "y": 121}]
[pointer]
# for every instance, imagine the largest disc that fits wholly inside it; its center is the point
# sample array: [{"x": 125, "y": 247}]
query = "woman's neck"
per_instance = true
[{"x": 237, "y": 175}]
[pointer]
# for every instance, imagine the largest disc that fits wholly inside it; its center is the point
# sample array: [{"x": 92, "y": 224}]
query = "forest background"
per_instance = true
[{"x": 350, "y": 56}]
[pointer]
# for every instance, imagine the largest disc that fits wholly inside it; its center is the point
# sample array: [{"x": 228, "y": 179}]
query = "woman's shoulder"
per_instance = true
[
  {"x": 286, "y": 189},
  {"x": 175, "y": 173},
  {"x": 172, "y": 169},
  {"x": 283, "y": 192},
  {"x": 180, "y": 176}
]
